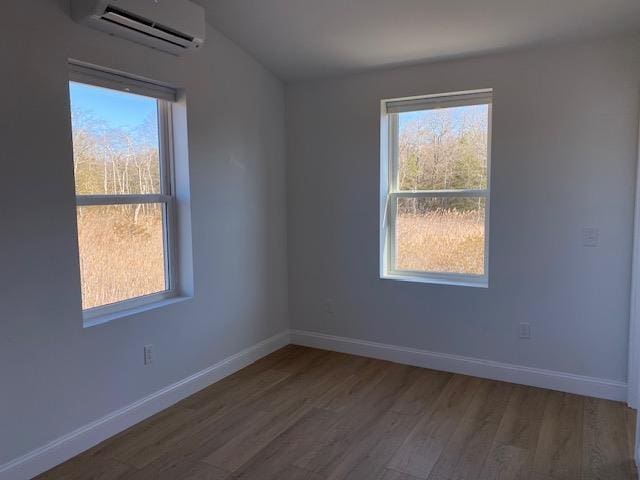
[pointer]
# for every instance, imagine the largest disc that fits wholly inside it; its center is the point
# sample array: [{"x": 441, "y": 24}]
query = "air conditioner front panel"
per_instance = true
[{"x": 173, "y": 26}]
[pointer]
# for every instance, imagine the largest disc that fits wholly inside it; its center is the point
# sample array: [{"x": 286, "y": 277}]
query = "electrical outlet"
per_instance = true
[
  {"x": 148, "y": 354},
  {"x": 525, "y": 330},
  {"x": 590, "y": 237},
  {"x": 330, "y": 306}
]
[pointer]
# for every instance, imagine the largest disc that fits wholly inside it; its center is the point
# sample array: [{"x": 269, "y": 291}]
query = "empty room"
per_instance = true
[{"x": 320, "y": 240}]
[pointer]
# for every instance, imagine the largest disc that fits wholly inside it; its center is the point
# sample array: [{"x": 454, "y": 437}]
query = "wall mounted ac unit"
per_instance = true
[{"x": 173, "y": 26}]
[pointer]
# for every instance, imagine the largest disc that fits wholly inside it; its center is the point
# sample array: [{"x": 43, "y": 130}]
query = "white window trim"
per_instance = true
[
  {"x": 165, "y": 96},
  {"x": 389, "y": 194}
]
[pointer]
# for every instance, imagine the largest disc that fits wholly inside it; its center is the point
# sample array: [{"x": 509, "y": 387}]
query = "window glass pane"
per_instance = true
[
  {"x": 444, "y": 235},
  {"x": 122, "y": 252},
  {"x": 443, "y": 149},
  {"x": 115, "y": 141}
]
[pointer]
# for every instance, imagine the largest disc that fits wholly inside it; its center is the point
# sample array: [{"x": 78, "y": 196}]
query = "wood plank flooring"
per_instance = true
[{"x": 309, "y": 414}]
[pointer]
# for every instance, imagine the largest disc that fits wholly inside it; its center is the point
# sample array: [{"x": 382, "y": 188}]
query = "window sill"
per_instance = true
[
  {"x": 90, "y": 320},
  {"x": 462, "y": 281}
]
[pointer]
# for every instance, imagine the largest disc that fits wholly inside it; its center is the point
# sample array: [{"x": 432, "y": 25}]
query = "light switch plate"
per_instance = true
[{"x": 148, "y": 354}]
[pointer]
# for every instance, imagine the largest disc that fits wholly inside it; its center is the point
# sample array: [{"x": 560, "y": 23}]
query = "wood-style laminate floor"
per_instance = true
[{"x": 302, "y": 413}]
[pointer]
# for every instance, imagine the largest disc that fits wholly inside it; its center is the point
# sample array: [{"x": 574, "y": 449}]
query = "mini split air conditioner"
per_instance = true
[{"x": 173, "y": 26}]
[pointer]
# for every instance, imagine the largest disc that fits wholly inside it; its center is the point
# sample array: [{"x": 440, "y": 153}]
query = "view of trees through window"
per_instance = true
[
  {"x": 115, "y": 152},
  {"x": 442, "y": 149}
]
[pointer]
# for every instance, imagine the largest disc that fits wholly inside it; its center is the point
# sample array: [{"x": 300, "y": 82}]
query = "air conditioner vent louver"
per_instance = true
[
  {"x": 113, "y": 14},
  {"x": 174, "y": 26}
]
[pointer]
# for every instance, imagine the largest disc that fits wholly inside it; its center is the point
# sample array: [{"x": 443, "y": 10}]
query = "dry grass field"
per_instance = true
[
  {"x": 121, "y": 256},
  {"x": 441, "y": 241}
]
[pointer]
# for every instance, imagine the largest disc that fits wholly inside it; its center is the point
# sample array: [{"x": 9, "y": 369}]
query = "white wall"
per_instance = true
[
  {"x": 565, "y": 123},
  {"x": 55, "y": 375}
]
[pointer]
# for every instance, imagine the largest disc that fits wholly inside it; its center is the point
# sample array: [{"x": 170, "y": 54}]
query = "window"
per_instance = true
[
  {"x": 435, "y": 188},
  {"x": 122, "y": 160}
]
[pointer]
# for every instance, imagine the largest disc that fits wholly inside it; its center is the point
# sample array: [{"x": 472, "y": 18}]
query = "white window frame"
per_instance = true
[
  {"x": 166, "y": 96},
  {"x": 389, "y": 192}
]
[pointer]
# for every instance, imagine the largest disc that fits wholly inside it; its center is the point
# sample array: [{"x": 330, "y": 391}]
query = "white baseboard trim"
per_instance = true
[
  {"x": 536, "y": 377},
  {"x": 73, "y": 443}
]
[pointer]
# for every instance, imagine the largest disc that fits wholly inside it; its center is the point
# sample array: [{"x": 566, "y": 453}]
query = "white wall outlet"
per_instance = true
[
  {"x": 330, "y": 306},
  {"x": 525, "y": 330},
  {"x": 148, "y": 354},
  {"x": 590, "y": 237}
]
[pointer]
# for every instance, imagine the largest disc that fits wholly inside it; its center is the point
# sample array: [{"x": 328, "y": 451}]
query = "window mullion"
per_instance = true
[{"x": 439, "y": 193}]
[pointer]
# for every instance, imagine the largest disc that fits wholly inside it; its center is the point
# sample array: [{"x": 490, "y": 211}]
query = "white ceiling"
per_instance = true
[{"x": 299, "y": 39}]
